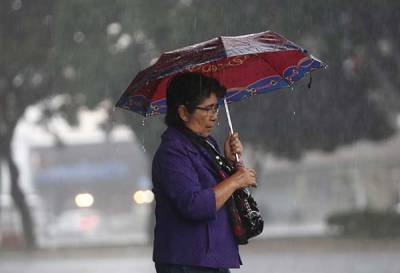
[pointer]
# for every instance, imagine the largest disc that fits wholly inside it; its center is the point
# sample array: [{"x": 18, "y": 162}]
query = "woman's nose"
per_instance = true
[{"x": 214, "y": 115}]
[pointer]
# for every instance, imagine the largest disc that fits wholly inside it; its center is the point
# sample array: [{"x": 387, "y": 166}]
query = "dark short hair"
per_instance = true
[{"x": 189, "y": 89}]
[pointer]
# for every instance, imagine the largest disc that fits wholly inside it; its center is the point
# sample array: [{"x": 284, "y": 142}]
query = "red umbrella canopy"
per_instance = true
[{"x": 246, "y": 65}]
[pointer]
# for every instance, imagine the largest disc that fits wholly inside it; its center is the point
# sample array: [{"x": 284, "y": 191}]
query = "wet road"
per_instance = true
[{"x": 272, "y": 255}]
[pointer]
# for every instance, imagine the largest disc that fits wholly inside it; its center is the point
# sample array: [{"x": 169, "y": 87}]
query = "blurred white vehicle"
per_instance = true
[{"x": 78, "y": 222}]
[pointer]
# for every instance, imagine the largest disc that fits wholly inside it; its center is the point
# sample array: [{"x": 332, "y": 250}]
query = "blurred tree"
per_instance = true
[
  {"x": 342, "y": 105},
  {"x": 97, "y": 52},
  {"x": 25, "y": 32}
]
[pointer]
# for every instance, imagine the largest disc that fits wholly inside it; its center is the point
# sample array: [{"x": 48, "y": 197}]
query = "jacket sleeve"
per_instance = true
[{"x": 179, "y": 181}]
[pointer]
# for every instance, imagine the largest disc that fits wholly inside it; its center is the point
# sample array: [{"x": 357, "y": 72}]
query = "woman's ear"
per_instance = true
[{"x": 183, "y": 113}]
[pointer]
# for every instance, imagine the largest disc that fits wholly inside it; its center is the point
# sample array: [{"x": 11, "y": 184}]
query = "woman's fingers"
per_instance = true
[
  {"x": 235, "y": 144},
  {"x": 246, "y": 177},
  {"x": 234, "y": 138},
  {"x": 237, "y": 151},
  {"x": 253, "y": 181}
]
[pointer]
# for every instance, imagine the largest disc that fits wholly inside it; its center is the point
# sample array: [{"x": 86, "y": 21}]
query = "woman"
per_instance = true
[{"x": 193, "y": 232}]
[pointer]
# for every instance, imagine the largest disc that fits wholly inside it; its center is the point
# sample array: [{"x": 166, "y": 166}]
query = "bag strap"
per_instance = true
[{"x": 217, "y": 161}]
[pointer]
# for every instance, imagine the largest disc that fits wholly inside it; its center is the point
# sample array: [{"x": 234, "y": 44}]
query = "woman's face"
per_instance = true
[{"x": 204, "y": 117}]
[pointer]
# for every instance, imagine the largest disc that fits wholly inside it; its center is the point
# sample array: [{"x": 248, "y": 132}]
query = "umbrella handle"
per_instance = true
[{"x": 228, "y": 115}]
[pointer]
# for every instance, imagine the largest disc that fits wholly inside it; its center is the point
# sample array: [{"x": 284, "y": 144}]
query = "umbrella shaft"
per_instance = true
[{"x": 228, "y": 115}]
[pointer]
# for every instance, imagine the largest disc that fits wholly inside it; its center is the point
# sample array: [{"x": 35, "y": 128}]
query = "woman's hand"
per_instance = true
[
  {"x": 233, "y": 146},
  {"x": 244, "y": 177}
]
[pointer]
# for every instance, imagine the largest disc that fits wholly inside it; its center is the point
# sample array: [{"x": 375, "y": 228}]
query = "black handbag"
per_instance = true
[{"x": 245, "y": 217}]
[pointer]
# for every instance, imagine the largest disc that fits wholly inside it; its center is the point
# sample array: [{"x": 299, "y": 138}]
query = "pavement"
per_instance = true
[{"x": 279, "y": 255}]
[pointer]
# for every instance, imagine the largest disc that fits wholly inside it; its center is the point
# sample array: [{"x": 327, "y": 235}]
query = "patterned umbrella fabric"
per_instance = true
[{"x": 246, "y": 65}]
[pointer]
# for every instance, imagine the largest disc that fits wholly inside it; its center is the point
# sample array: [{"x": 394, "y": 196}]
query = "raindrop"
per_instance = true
[
  {"x": 114, "y": 108},
  {"x": 143, "y": 136},
  {"x": 294, "y": 113}
]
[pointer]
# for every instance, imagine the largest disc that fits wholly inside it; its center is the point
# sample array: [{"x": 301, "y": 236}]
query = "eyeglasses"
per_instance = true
[{"x": 211, "y": 110}]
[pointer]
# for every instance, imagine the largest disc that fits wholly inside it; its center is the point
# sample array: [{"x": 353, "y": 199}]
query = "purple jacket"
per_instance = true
[{"x": 189, "y": 230}]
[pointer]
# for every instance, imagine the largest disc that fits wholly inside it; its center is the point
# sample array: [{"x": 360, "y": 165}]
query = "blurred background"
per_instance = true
[{"x": 75, "y": 183}]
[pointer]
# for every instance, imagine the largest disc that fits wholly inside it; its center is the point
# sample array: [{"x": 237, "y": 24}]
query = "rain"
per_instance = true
[{"x": 75, "y": 170}]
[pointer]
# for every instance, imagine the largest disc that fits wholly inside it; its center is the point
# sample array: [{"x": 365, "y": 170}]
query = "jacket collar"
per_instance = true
[{"x": 176, "y": 134}]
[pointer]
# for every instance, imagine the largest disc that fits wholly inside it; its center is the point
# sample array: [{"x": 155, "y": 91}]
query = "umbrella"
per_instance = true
[{"x": 246, "y": 65}]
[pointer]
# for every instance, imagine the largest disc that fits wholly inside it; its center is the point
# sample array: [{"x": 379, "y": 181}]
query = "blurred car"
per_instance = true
[{"x": 77, "y": 222}]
